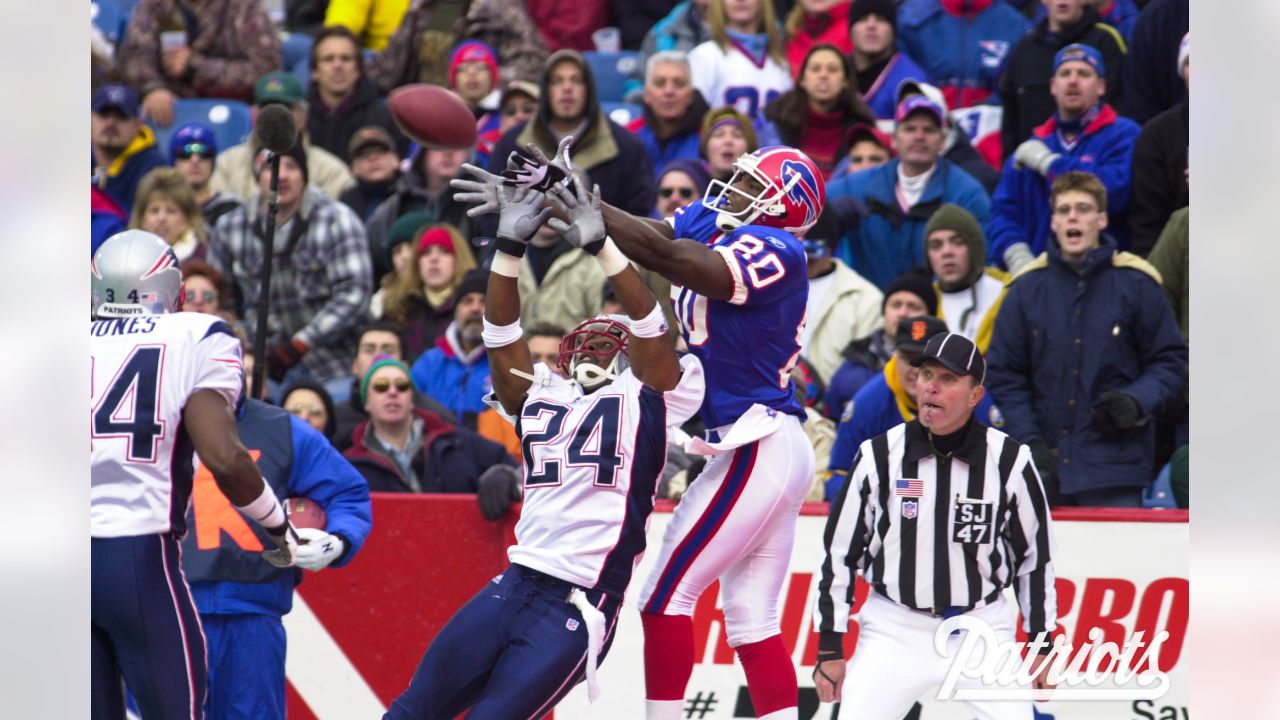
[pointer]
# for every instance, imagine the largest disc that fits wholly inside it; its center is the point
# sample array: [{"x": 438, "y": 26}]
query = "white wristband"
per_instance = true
[
  {"x": 496, "y": 336},
  {"x": 504, "y": 264},
  {"x": 652, "y": 325},
  {"x": 265, "y": 510},
  {"x": 611, "y": 259}
]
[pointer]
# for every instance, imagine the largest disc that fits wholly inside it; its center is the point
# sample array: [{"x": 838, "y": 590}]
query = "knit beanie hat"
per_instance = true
[
  {"x": 693, "y": 167},
  {"x": 379, "y": 362},
  {"x": 917, "y": 283},
  {"x": 960, "y": 221},
  {"x": 723, "y": 115},
  {"x": 473, "y": 51},
  {"x": 435, "y": 235},
  {"x": 886, "y": 9},
  {"x": 475, "y": 281},
  {"x": 297, "y": 152}
]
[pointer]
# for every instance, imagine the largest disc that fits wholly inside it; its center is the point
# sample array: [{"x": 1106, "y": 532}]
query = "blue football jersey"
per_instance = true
[{"x": 749, "y": 343}]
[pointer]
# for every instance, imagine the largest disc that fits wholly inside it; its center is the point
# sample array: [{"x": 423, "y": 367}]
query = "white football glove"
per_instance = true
[
  {"x": 535, "y": 171},
  {"x": 286, "y": 541},
  {"x": 318, "y": 549},
  {"x": 481, "y": 192},
  {"x": 585, "y": 228},
  {"x": 521, "y": 212}
]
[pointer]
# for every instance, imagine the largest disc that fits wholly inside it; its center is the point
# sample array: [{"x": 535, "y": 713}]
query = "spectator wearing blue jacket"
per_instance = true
[
  {"x": 879, "y": 64},
  {"x": 962, "y": 44},
  {"x": 124, "y": 149},
  {"x": 671, "y": 125},
  {"x": 1084, "y": 134},
  {"x": 887, "y": 400},
  {"x": 456, "y": 371},
  {"x": 1086, "y": 352},
  {"x": 242, "y": 598},
  {"x": 902, "y": 194}
]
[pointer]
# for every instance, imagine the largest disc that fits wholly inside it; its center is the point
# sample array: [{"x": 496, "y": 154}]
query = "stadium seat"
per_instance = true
[
  {"x": 108, "y": 18},
  {"x": 295, "y": 47},
  {"x": 611, "y": 71},
  {"x": 1160, "y": 494},
  {"x": 230, "y": 120},
  {"x": 302, "y": 71},
  {"x": 622, "y": 113}
]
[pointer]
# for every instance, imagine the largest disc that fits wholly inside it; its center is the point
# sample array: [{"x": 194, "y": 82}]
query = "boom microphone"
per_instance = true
[
  {"x": 275, "y": 129},
  {"x": 278, "y": 133}
]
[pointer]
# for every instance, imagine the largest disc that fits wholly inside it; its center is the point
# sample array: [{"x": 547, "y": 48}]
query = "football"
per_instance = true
[
  {"x": 433, "y": 116},
  {"x": 305, "y": 513}
]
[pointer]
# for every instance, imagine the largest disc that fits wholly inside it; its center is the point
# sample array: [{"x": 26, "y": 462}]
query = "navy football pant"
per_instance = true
[
  {"x": 512, "y": 652},
  {"x": 144, "y": 629}
]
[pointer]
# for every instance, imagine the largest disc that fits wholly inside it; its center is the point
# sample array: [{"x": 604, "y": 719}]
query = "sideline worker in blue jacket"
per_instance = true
[{"x": 240, "y": 597}]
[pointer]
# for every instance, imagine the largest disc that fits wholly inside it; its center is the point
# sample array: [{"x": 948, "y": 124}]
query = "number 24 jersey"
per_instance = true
[{"x": 592, "y": 466}]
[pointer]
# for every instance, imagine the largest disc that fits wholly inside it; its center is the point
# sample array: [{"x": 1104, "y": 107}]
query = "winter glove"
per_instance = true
[
  {"x": 1016, "y": 256},
  {"x": 1046, "y": 461},
  {"x": 1034, "y": 154},
  {"x": 286, "y": 542},
  {"x": 319, "y": 549},
  {"x": 536, "y": 171},
  {"x": 481, "y": 192},
  {"x": 499, "y": 486},
  {"x": 1116, "y": 411},
  {"x": 585, "y": 228},
  {"x": 521, "y": 213},
  {"x": 283, "y": 357}
]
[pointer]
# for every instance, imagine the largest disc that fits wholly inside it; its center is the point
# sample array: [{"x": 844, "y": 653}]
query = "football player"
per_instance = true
[
  {"x": 594, "y": 447},
  {"x": 738, "y": 285},
  {"x": 163, "y": 384}
]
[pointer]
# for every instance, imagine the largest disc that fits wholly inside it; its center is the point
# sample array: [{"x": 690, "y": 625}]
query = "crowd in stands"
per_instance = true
[{"x": 967, "y": 146}]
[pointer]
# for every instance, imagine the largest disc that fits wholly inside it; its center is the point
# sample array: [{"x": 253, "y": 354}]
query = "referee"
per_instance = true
[{"x": 940, "y": 515}]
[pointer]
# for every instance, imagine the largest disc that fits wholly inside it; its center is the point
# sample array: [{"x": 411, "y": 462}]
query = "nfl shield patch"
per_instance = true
[
  {"x": 910, "y": 508},
  {"x": 571, "y": 624}
]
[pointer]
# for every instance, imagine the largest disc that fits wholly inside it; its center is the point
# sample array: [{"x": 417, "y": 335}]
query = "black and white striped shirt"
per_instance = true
[{"x": 940, "y": 534}]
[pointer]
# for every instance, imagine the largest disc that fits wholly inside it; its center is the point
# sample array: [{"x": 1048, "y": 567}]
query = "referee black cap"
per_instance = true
[{"x": 955, "y": 352}]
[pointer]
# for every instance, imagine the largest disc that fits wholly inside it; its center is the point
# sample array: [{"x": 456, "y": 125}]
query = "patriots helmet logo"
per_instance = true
[{"x": 802, "y": 189}]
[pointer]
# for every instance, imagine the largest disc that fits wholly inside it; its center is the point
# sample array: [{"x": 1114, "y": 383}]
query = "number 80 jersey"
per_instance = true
[
  {"x": 592, "y": 464},
  {"x": 750, "y": 342},
  {"x": 142, "y": 371}
]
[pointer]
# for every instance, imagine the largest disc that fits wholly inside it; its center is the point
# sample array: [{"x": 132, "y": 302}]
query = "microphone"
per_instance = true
[{"x": 276, "y": 131}]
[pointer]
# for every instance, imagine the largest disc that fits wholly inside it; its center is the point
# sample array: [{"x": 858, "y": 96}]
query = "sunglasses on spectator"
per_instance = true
[
  {"x": 666, "y": 192},
  {"x": 190, "y": 149},
  {"x": 313, "y": 411},
  {"x": 383, "y": 385},
  {"x": 209, "y": 296},
  {"x": 512, "y": 110}
]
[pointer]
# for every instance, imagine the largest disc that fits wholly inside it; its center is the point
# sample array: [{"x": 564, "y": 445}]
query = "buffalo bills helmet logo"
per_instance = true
[{"x": 804, "y": 190}]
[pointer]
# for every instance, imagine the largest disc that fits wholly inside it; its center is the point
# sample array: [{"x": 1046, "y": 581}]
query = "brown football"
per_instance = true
[
  {"x": 305, "y": 513},
  {"x": 433, "y": 116}
]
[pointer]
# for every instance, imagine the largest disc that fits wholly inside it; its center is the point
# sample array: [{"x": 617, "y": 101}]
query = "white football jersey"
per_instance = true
[
  {"x": 142, "y": 370},
  {"x": 734, "y": 78},
  {"x": 592, "y": 464}
]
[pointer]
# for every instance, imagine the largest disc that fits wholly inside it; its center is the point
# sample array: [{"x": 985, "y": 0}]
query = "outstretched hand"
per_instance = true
[
  {"x": 536, "y": 171},
  {"x": 481, "y": 192},
  {"x": 585, "y": 228},
  {"x": 521, "y": 212}
]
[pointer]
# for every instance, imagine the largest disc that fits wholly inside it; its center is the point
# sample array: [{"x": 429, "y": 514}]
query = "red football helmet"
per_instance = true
[
  {"x": 793, "y": 193},
  {"x": 595, "y": 351}
]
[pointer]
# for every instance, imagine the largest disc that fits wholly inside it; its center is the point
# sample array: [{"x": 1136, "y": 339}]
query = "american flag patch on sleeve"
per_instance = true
[{"x": 908, "y": 488}]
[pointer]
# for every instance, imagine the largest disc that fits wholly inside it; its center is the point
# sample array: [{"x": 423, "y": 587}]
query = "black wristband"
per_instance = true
[
  {"x": 594, "y": 248},
  {"x": 830, "y": 644},
  {"x": 514, "y": 248}
]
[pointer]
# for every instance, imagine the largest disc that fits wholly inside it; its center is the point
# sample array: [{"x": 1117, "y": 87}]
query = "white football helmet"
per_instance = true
[
  {"x": 604, "y": 361},
  {"x": 135, "y": 273}
]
